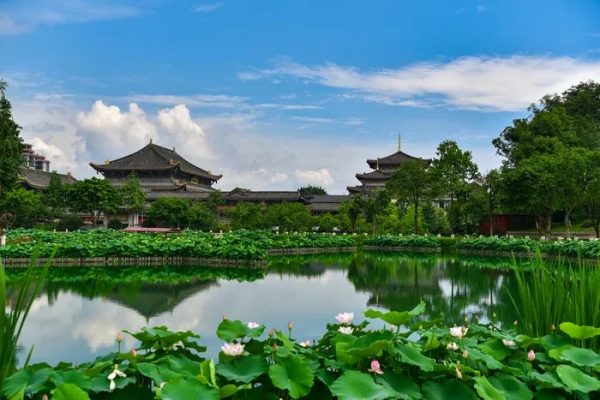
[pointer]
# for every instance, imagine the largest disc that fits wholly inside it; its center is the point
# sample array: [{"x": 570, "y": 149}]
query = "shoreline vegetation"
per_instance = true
[
  {"x": 112, "y": 248},
  {"x": 411, "y": 357}
]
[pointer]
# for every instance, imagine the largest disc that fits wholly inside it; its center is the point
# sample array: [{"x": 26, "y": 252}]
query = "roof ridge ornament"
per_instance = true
[{"x": 399, "y": 142}]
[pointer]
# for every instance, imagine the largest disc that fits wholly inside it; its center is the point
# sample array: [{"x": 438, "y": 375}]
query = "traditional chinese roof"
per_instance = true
[
  {"x": 154, "y": 157},
  {"x": 38, "y": 179},
  {"x": 376, "y": 175},
  {"x": 392, "y": 160},
  {"x": 356, "y": 189},
  {"x": 325, "y": 202}
]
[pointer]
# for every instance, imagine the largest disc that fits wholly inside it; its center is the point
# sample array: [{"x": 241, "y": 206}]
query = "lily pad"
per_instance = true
[
  {"x": 243, "y": 369},
  {"x": 292, "y": 374},
  {"x": 354, "y": 385},
  {"x": 574, "y": 379}
]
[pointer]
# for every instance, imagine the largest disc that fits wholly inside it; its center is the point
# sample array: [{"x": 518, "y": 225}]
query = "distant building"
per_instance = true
[
  {"x": 160, "y": 170},
  {"x": 33, "y": 160},
  {"x": 382, "y": 170},
  {"x": 35, "y": 171}
]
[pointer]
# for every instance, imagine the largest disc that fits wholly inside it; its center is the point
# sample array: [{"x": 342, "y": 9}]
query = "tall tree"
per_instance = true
[
  {"x": 11, "y": 147},
  {"x": 55, "y": 196},
  {"x": 352, "y": 209},
  {"x": 94, "y": 196},
  {"x": 410, "y": 183},
  {"x": 23, "y": 208},
  {"x": 491, "y": 184},
  {"x": 133, "y": 197},
  {"x": 375, "y": 205},
  {"x": 452, "y": 172},
  {"x": 170, "y": 212}
]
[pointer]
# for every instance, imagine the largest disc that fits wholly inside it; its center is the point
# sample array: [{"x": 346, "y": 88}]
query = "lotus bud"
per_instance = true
[
  {"x": 290, "y": 326},
  {"x": 531, "y": 355},
  {"x": 45, "y": 397},
  {"x": 275, "y": 347},
  {"x": 420, "y": 327},
  {"x": 516, "y": 322},
  {"x": 133, "y": 352},
  {"x": 458, "y": 373},
  {"x": 120, "y": 337},
  {"x": 465, "y": 354},
  {"x": 272, "y": 333},
  {"x": 466, "y": 319},
  {"x": 553, "y": 327}
]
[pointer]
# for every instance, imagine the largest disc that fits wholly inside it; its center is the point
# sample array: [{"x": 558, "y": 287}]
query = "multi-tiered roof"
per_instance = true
[
  {"x": 158, "y": 169},
  {"x": 382, "y": 169}
]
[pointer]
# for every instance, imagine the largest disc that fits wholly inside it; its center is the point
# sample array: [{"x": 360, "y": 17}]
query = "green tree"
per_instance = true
[
  {"x": 435, "y": 219},
  {"x": 22, "y": 208},
  {"x": 326, "y": 222},
  {"x": 247, "y": 216},
  {"x": 93, "y": 196},
  {"x": 375, "y": 205},
  {"x": 452, "y": 172},
  {"x": 350, "y": 210},
  {"x": 170, "y": 212},
  {"x": 133, "y": 198},
  {"x": 491, "y": 185},
  {"x": 410, "y": 182},
  {"x": 202, "y": 217},
  {"x": 311, "y": 190},
  {"x": 289, "y": 217},
  {"x": 11, "y": 147},
  {"x": 55, "y": 196},
  {"x": 215, "y": 200}
]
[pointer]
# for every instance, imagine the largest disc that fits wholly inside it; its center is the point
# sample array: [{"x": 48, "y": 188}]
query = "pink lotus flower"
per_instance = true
[
  {"x": 233, "y": 349},
  {"x": 306, "y": 343},
  {"x": 253, "y": 325},
  {"x": 344, "y": 318},
  {"x": 375, "y": 368},
  {"x": 531, "y": 355}
]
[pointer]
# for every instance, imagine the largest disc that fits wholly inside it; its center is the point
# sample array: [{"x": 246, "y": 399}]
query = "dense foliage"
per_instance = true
[
  {"x": 109, "y": 243},
  {"x": 412, "y": 360}
]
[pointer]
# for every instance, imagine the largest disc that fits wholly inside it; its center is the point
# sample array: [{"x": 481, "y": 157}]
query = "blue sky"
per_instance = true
[{"x": 278, "y": 94}]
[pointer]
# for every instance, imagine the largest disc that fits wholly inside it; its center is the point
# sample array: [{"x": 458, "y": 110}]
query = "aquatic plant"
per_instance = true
[
  {"x": 549, "y": 294},
  {"x": 11, "y": 323},
  {"x": 412, "y": 360}
]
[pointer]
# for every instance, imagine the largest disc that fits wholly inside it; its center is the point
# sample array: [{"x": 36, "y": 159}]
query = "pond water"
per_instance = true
[{"x": 80, "y": 312}]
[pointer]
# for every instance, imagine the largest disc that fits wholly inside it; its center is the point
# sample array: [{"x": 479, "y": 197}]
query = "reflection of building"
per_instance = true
[
  {"x": 35, "y": 171},
  {"x": 382, "y": 169},
  {"x": 159, "y": 170}
]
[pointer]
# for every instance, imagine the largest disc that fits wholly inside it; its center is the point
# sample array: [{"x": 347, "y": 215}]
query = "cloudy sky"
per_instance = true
[{"x": 279, "y": 94}]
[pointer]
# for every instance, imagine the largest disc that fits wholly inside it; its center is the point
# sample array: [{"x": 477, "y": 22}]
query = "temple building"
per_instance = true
[
  {"x": 161, "y": 171},
  {"x": 382, "y": 169},
  {"x": 35, "y": 173}
]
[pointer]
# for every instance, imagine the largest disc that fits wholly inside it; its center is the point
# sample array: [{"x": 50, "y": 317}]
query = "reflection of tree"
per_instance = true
[
  {"x": 309, "y": 265},
  {"x": 452, "y": 287}
]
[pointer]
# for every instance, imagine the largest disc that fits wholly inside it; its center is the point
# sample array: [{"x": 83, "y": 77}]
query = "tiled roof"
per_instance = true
[
  {"x": 393, "y": 159},
  {"x": 239, "y": 194},
  {"x": 374, "y": 175},
  {"x": 38, "y": 179},
  {"x": 154, "y": 157}
]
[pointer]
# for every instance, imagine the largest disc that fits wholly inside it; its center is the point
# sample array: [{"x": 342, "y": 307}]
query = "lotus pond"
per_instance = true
[{"x": 80, "y": 311}]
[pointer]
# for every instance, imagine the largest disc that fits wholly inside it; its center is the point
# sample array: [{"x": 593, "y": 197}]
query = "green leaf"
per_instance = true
[
  {"x": 574, "y": 379},
  {"x": 150, "y": 371},
  {"x": 496, "y": 349},
  {"x": 512, "y": 388},
  {"x": 75, "y": 377},
  {"x": 354, "y": 385},
  {"x": 230, "y": 330},
  {"x": 184, "y": 389},
  {"x": 208, "y": 372},
  {"x": 486, "y": 390},
  {"x": 579, "y": 331},
  {"x": 292, "y": 374},
  {"x": 401, "y": 386},
  {"x": 396, "y": 318},
  {"x": 411, "y": 355},
  {"x": 578, "y": 356},
  {"x": 69, "y": 391},
  {"x": 449, "y": 389},
  {"x": 27, "y": 381},
  {"x": 243, "y": 369}
]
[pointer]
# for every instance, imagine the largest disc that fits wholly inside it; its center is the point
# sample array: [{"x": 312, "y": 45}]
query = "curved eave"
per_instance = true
[
  {"x": 372, "y": 177},
  {"x": 201, "y": 175},
  {"x": 103, "y": 168}
]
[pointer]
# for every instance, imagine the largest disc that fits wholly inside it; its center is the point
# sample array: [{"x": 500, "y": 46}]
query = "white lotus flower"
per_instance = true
[
  {"x": 233, "y": 349},
  {"x": 508, "y": 343},
  {"x": 306, "y": 343},
  {"x": 459, "y": 331},
  {"x": 253, "y": 325},
  {"x": 344, "y": 318},
  {"x": 452, "y": 346},
  {"x": 346, "y": 330},
  {"x": 113, "y": 375}
]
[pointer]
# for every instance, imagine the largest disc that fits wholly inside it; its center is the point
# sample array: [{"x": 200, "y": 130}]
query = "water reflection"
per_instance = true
[{"x": 80, "y": 312}]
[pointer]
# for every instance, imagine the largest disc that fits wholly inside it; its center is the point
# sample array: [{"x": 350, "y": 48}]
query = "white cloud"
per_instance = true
[
  {"x": 318, "y": 177},
  {"x": 473, "y": 83},
  {"x": 178, "y": 125},
  {"x": 208, "y": 8},
  {"x": 20, "y": 16}
]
